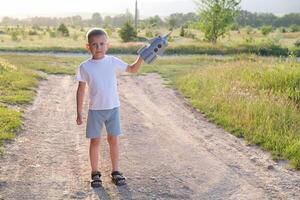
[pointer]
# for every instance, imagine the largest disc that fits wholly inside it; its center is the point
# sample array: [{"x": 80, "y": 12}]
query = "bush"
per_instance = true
[
  {"x": 248, "y": 29},
  {"x": 14, "y": 36},
  {"x": 283, "y": 30},
  {"x": 52, "y": 34},
  {"x": 149, "y": 33},
  {"x": 31, "y": 32},
  {"x": 182, "y": 31},
  {"x": 63, "y": 30},
  {"x": 294, "y": 28},
  {"x": 127, "y": 32},
  {"x": 234, "y": 27},
  {"x": 265, "y": 30},
  {"x": 36, "y": 27},
  {"x": 297, "y": 43},
  {"x": 189, "y": 34}
]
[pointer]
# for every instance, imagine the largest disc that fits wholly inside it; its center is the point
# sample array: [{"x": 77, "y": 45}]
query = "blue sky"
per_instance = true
[{"x": 23, "y": 8}]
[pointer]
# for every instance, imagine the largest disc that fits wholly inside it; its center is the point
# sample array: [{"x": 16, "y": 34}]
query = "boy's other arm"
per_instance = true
[
  {"x": 79, "y": 100},
  {"x": 134, "y": 67}
]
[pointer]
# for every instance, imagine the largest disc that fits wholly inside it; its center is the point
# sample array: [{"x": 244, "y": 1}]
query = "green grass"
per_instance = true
[
  {"x": 15, "y": 88},
  {"x": 47, "y": 64},
  {"x": 255, "y": 99},
  {"x": 19, "y": 78},
  {"x": 10, "y": 122},
  {"x": 263, "y": 49},
  {"x": 16, "y": 83}
]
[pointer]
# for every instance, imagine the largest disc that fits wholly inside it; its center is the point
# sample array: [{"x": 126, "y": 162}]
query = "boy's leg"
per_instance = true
[
  {"x": 113, "y": 129},
  {"x": 116, "y": 175},
  {"x": 94, "y": 156},
  {"x": 94, "y": 153},
  {"x": 113, "y": 142},
  {"x": 93, "y": 131}
]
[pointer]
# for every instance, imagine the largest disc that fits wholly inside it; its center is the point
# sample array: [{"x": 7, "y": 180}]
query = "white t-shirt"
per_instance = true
[{"x": 100, "y": 76}]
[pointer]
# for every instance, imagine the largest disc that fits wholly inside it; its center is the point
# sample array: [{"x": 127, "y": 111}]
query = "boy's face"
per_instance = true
[{"x": 98, "y": 46}]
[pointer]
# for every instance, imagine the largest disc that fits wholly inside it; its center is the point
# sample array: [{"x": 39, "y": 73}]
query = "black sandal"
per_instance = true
[
  {"x": 96, "y": 181},
  {"x": 118, "y": 178}
]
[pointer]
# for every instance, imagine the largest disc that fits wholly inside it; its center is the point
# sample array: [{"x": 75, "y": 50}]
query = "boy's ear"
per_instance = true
[
  {"x": 108, "y": 45},
  {"x": 87, "y": 46}
]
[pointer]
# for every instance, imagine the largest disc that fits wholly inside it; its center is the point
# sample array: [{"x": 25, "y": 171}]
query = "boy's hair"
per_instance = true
[{"x": 95, "y": 32}]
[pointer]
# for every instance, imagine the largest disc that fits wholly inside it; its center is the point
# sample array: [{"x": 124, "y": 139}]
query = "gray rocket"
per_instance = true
[{"x": 155, "y": 47}]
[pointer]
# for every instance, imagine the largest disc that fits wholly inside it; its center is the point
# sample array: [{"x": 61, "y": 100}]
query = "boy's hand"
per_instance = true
[{"x": 79, "y": 119}]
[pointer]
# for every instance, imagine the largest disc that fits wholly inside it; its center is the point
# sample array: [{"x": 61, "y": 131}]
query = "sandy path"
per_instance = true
[{"x": 168, "y": 151}]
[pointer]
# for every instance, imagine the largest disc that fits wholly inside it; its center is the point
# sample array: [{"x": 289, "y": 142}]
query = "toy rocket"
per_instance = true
[{"x": 155, "y": 47}]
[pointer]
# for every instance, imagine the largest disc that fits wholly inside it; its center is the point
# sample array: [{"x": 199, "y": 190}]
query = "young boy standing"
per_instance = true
[{"x": 99, "y": 73}]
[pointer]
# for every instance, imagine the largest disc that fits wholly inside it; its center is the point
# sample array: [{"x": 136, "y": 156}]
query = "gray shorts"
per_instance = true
[{"x": 96, "y": 118}]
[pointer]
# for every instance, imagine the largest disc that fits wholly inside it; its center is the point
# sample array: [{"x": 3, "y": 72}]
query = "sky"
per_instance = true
[{"x": 29, "y": 8}]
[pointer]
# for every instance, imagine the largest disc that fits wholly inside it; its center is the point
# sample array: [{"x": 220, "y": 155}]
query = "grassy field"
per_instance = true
[
  {"x": 252, "y": 97},
  {"x": 243, "y": 41},
  {"x": 257, "y": 98},
  {"x": 19, "y": 78}
]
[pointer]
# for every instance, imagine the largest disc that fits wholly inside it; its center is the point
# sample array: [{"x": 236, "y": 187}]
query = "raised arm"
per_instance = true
[{"x": 134, "y": 67}]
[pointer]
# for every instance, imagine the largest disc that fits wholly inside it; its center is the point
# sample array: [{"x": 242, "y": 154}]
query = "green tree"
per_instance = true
[
  {"x": 63, "y": 30},
  {"x": 76, "y": 20},
  {"x": 127, "y": 32},
  {"x": 153, "y": 21},
  {"x": 96, "y": 19},
  {"x": 216, "y": 16},
  {"x": 172, "y": 23}
]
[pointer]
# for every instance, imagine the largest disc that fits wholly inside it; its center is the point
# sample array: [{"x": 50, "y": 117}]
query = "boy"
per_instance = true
[{"x": 99, "y": 73}]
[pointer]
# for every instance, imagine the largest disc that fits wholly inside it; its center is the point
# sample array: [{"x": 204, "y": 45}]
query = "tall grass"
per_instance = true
[
  {"x": 10, "y": 122},
  {"x": 255, "y": 99},
  {"x": 16, "y": 83}
]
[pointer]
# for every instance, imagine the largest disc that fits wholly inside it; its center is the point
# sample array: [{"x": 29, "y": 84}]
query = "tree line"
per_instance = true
[
  {"x": 243, "y": 18},
  {"x": 246, "y": 18},
  {"x": 173, "y": 20}
]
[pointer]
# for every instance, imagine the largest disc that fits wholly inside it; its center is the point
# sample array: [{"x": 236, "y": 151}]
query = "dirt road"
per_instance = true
[{"x": 168, "y": 151}]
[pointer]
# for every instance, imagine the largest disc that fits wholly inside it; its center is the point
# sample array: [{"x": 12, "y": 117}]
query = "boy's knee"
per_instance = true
[
  {"x": 112, "y": 139},
  {"x": 95, "y": 141}
]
